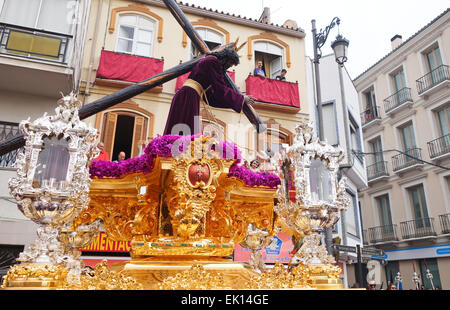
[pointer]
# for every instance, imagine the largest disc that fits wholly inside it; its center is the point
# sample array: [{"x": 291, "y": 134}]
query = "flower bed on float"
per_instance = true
[{"x": 163, "y": 146}]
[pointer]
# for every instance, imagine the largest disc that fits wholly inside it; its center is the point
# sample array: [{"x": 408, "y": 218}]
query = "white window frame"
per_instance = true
[
  {"x": 135, "y": 40},
  {"x": 207, "y": 30},
  {"x": 38, "y": 15},
  {"x": 279, "y": 51}
]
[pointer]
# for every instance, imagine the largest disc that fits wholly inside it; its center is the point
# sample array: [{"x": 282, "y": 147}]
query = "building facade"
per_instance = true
[
  {"x": 145, "y": 33},
  {"x": 405, "y": 99},
  {"x": 117, "y": 43},
  {"x": 41, "y": 48},
  {"x": 342, "y": 127}
]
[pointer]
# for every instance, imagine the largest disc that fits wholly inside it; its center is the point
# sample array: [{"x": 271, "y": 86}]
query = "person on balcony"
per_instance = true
[
  {"x": 259, "y": 70},
  {"x": 205, "y": 83},
  {"x": 368, "y": 113},
  {"x": 282, "y": 76},
  {"x": 103, "y": 155}
]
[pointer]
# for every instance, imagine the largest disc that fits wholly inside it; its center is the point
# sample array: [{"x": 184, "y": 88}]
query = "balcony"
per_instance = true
[
  {"x": 8, "y": 130},
  {"x": 370, "y": 117},
  {"x": 433, "y": 81},
  {"x": 31, "y": 43},
  {"x": 444, "y": 219},
  {"x": 273, "y": 94},
  {"x": 409, "y": 159},
  {"x": 418, "y": 228},
  {"x": 377, "y": 171},
  {"x": 120, "y": 70},
  {"x": 439, "y": 147},
  {"x": 398, "y": 101},
  {"x": 382, "y": 234}
]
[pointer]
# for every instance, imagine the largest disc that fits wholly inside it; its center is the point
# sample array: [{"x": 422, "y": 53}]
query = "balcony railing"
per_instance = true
[
  {"x": 410, "y": 158},
  {"x": 439, "y": 146},
  {"x": 435, "y": 77},
  {"x": 382, "y": 233},
  {"x": 33, "y": 43},
  {"x": 370, "y": 115},
  {"x": 8, "y": 130},
  {"x": 418, "y": 228},
  {"x": 377, "y": 170},
  {"x": 444, "y": 219},
  {"x": 397, "y": 99}
]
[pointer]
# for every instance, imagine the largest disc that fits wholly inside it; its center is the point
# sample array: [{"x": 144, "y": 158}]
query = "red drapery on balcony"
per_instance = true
[
  {"x": 273, "y": 91},
  {"x": 130, "y": 68},
  {"x": 182, "y": 78}
]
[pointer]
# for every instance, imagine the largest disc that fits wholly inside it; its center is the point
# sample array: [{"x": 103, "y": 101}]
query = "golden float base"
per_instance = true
[
  {"x": 324, "y": 283},
  {"x": 34, "y": 277},
  {"x": 152, "y": 271}
]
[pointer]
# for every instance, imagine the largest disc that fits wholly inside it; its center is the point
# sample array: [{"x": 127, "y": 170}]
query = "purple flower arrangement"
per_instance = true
[{"x": 170, "y": 146}]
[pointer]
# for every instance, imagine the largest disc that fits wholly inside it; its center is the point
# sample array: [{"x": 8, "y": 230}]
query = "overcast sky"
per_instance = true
[{"x": 368, "y": 25}]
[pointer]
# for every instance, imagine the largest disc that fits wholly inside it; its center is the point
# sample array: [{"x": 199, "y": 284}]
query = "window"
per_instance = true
[
  {"x": 391, "y": 271},
  {"x": 51, "y": 15},
  {"x": 408, "y": 139},
  {"x": 271, "y": 56},
  {"x": 329, "y": 123},
  {"x": 399, "y": 80},
  {"x": 434, "y": 61},
  {"x": 135, "y": 35},
  {"x": 355, "y": 138},
  {"x": 443, "y": 116},
  {"x": 351, "y": 216},
  {"x": 124, "y": 132},
  {"x": 384, "y": 210},
  {"x": 419, "y": 206},
  {"x": 377, "y": 149},
  {"x": 212, "y": 39},
  {"x": 370, "y": 108},
  {"x": 432, "y": 265}
]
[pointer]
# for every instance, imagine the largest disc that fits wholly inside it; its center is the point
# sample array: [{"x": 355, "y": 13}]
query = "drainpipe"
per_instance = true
[{"x": 93, "y": 48}]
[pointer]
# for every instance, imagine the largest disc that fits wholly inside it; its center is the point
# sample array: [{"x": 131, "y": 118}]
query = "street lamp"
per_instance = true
[{"x": 340, "y": 47}]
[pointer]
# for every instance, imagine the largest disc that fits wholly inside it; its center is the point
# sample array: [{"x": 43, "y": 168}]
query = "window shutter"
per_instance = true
[
  {"x": 138, "y": 135},
  {"x": 109, "y": 132}
]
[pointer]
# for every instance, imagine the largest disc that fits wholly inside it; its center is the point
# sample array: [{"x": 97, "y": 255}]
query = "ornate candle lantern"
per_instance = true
[
  {"x": 311, "y": 166},
  {"x": 52, "y": 186}
]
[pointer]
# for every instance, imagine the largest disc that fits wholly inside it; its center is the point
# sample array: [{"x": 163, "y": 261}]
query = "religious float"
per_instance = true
[{"x": 183, "y": 205}]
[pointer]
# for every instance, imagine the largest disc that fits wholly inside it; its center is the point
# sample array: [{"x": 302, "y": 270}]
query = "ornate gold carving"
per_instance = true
[
  {"x": 281, "y": 278},
  {"x": 34, "y": 275},
  {"x": 196, "y": 278}
]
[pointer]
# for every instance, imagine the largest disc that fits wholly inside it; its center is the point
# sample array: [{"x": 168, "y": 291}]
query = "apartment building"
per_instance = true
[
  {"x": 41, "y": 47},
  {"x": 405, "y": 99},
  {"x": 342, "y": 127}
]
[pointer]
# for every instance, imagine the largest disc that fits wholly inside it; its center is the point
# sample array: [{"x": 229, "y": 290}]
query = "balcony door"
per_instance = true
[
  {"x": 444, "y": 120},
  {"x": 399, "y": 84},
  {"x": 124, "y": 132},
  {"x": 409, "y": 142},
  {"x": 378, "y": 154},
  {"x": 384, "y": 210},
  {"x": 135, "y": 35},
  {"x": 434, "y": 61},
  {"x": 272, "y": 57},
  {"x": 419, "y": 206}
]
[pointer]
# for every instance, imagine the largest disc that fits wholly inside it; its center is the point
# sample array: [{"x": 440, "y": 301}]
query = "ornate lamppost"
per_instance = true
[
  {"x": 52, "y": 188},
  {"x": 340, "y": 47},
  {"x": 319, "y": 196}
]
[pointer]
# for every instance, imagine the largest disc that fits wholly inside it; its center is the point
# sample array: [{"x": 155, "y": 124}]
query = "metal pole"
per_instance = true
[{"x": 359, "y": 265}]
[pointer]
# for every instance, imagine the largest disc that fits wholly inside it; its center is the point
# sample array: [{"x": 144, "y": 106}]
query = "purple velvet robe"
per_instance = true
[{"x": 186, "y": 102}]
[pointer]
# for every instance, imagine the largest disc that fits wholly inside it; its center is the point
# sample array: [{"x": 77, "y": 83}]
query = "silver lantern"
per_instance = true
[{"x": 52, "y": 183}]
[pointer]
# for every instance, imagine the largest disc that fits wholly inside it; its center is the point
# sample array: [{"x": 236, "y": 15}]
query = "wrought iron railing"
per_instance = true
[
  {"x": 397, "y": 99},
  {"x": 418, "y": 228},
  {"x": 370, "y": 115},
  {"x": 8, "y": 130},
  {"x": 33, "y": 43},
  {"x": 444, "y": 219},
  {"x": 377, "y": 170},
  {"x": 407, "y": 159},
  {"x": 439, "y": 146},
  {"x": 382, "y": 233},
  {"x": 433, "y": 78}
]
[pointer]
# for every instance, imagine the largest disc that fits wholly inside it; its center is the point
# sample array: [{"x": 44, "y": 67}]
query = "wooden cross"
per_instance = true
[{"x": 110, "y": 100}]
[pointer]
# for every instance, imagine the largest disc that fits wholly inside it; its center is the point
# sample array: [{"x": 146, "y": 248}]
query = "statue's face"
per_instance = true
[{"x": 228, "y": 64}]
